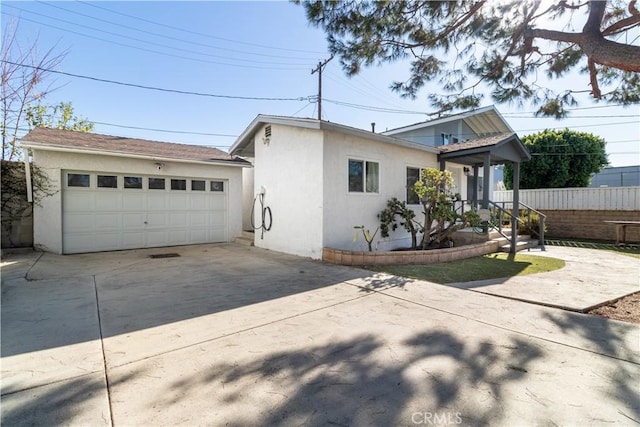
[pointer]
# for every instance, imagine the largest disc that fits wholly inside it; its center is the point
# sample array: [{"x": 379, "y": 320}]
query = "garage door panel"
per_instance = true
[
  {"x": 180, "y": 237},
  {"x": 218, "y": 203},
  {"x": 157, "y": 201},
  {"x": 107, "y": 201},
  {"x": 198, "y": 202},
  {"x": 157, "y": 238},
  {"x": 79, "y": 222},
  {"x": 107, "y": 241},
  {"x": 100, "y": 219},
  {"x": 198, "y": 235},
  {"x": 178, "y": 219},
  {"x": 133, "y": 220},
  {"x": 218, "y": 219},
  {"x": 198, "y": 219},
  {"x": 108, "y": 220},
  {"x": 178, "y": 201},
  {"x": 79, "y": 201},
  {"x": 157, "y": 220},
  {"x": 133, "y": 201},
  {"x": 132, "y": 240}
]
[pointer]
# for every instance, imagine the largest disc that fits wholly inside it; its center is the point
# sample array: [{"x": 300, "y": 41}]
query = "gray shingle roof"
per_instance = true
[
  {"x": 476, "y": 143},
  {"x": 122, "y": 145}
]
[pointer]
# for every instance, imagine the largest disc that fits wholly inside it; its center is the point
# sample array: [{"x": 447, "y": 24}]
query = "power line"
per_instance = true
[
  {"x": 372, "y": 108},
  {"x": 182, "y": 92},
  {"x": 199, "y": 34},
  {"x": 150, "y": 50},
  {"x": 165, "y": 130},
  {"x": 162, "y": 35}
]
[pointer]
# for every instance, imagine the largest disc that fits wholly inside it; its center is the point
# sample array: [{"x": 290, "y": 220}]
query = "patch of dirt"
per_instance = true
[{"x": 626, "y": 309}]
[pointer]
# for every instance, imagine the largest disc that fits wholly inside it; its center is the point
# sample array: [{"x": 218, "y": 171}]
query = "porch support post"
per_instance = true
[
  {"x": 516, "y": 206},
  {"x": 443, "y": 165},
  {"x": 486, "y": 180},
  {"x": 475, "y": 186}
]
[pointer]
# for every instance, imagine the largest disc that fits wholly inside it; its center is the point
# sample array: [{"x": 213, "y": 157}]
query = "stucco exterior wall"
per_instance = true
[
  {"x": 289, "y": 167},
  {"x": 344, "y": 210},
  {"x": 48, "y": 216},
  {"x": 248, "y": 193}
]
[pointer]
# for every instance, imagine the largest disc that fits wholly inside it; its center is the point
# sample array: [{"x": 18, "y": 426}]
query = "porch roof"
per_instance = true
[{"x": 505, "y": 148}]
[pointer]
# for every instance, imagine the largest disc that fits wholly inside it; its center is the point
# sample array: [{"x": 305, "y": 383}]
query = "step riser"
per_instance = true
[{"x": 243, "y": 241}]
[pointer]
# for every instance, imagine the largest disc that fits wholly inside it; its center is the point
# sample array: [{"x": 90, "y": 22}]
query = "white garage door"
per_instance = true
[{"x": 104, "y": 212}]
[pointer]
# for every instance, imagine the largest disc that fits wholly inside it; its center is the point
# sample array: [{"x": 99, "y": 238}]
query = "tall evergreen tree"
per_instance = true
[{"x": 506, "y": 45}]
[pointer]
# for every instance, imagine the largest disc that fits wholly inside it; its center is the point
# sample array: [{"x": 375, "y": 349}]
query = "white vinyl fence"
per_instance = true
[{"x": 606, "y": 198}]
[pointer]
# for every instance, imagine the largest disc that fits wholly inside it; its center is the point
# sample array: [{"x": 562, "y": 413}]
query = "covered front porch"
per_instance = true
[{"x": 482, "y": 154}]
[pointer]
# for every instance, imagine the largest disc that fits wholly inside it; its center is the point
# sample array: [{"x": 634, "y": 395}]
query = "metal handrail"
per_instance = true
[{"x": 501, "y": 219}]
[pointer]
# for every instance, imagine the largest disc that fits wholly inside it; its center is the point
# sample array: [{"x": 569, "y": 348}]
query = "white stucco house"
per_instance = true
[
  {"x": 319, "y": 180},
  {"x": 302, "y": 184},
  {"x": 116, "y": 193}
]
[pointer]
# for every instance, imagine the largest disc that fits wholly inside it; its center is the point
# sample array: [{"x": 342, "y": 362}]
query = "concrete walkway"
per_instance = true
[
  {"x": 590, "y": 278},
  {"x": 231, "y": 335}
]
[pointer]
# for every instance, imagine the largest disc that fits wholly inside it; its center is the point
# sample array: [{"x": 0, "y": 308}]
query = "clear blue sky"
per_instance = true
[{"x": 247, "y": 49}]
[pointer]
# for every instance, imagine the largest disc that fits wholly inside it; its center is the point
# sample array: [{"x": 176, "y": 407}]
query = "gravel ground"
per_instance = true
[{"x": 626, "y": 309}]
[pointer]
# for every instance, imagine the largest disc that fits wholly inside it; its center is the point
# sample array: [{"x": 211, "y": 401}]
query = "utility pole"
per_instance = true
[{"x": 318, "y": 69}]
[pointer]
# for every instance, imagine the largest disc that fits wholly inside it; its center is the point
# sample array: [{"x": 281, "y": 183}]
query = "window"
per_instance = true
[
  {"x": 107, "y": 181},
  {"x": 178, "y": 184},
  {"x": 217, "y": 186},
  {"x": 156, "y": 183},
  {"x": 413, "y": 175},
  {"x": 363, "y": 176},
  {"x": 448, "y": 138},
  {"x": 78, "y": 180},
  {"x": 197, "y": 185},
  {"x": 133, "y": 182}
]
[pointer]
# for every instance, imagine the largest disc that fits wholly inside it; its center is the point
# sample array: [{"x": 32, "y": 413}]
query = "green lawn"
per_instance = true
[{"x": 490, "y": 266}]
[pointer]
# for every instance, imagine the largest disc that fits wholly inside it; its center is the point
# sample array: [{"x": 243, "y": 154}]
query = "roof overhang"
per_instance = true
[
  {"x": 501, "y": 149},
  {"x": 57, "y": 148},
  {"x": 244, "y": 145},
  {"x": 483, "y": 121}
]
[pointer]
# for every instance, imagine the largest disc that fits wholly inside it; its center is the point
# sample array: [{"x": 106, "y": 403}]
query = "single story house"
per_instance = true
[
  {"x": 115, "y": 193},
  {"x": 314, "y": 181},
  {"x": 302, "y": 184}
]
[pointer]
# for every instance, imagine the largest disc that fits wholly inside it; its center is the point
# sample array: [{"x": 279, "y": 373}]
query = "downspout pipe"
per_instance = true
[{"x": 27, "y": 172}]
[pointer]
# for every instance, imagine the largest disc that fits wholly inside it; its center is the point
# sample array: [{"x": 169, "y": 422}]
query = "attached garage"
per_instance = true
[{"x": 114, "y": 193}]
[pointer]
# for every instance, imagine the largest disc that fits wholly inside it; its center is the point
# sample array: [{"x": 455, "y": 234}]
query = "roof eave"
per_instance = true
[{"x": 52, "y": 147}]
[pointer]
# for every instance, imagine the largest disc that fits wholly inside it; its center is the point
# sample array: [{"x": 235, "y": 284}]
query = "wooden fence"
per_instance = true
[{"x": 595, "y": 199}]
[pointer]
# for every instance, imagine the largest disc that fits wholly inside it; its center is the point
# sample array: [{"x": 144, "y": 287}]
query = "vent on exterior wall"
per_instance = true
[{"x": 267, "y": 135}]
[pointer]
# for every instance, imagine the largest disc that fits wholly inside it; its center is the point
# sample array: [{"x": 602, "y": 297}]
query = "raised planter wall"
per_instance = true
[{"x": 359, "y": 259}]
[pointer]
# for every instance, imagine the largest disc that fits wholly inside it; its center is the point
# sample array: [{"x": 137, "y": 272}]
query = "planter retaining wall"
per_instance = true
[{"x": 359, "y": 259}]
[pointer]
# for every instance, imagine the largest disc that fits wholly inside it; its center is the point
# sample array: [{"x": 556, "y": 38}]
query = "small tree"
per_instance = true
[
  {"x": 434, "y": 189},
  {"x": 23, "y": 72},
  {"x": 559, "y": 159},
  {"x": 56, "y": 117},
  {"x": 397, "y": 213}
]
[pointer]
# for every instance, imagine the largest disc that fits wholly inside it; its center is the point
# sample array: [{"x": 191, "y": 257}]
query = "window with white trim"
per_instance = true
[{"x": 364, "y": 176}]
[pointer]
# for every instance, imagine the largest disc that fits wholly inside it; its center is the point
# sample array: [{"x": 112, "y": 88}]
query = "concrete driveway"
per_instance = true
[{"x": 231, "y": 335}]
